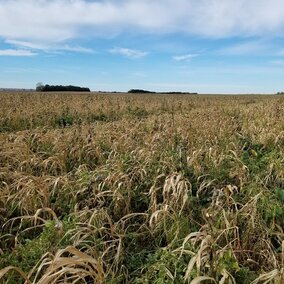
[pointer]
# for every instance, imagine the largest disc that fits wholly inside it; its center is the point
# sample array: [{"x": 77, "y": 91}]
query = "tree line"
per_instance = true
[
  {"x": 139, "y": 91},
  {"x": 60, "y": 88}
]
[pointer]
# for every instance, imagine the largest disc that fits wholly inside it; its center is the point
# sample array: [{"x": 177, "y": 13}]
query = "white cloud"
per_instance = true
[
  {"x": 130, "y": 53},
  {"x": 26, "y": 44},
  {"x": 80, "y": 49},
  {"x": 16, "y": 52},
  {"x": 49, "y": 47},
  {"x": 185, "y": 57},
  {"x": 247, "y": 48},
  {"x": 55, "y": 21},
  {"x": 279, "y": 62}
]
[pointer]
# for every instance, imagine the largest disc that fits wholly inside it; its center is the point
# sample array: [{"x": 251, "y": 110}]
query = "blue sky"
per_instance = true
[{"x": 205, "y": 46}]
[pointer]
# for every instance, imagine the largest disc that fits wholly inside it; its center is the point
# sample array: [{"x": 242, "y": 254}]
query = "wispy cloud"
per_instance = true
[
  {"x": 80, "y": 49},
  {"x": 48, "y": 47},
  {"x": 127, "y": 52},
  {"x": 185, "y": 57},
  {"x": 16, "y": 52},
  {"x": 246, "y": 48},
  {"x": 279, "y": 62},
  {"x": 26, "y": 44}
]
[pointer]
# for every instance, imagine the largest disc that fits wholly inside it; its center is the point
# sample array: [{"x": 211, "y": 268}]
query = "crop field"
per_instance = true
[{"x": 120, "y": 188}]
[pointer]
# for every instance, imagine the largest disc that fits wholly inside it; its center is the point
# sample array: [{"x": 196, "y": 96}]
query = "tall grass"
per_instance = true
[{"x": 122, "y": 188}]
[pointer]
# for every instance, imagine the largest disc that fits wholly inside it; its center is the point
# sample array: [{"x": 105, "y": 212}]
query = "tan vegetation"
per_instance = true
[{"x": 116, "y": 188}]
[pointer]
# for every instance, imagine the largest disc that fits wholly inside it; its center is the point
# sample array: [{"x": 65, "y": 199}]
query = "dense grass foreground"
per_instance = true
[{"x": 141, "y": 189}]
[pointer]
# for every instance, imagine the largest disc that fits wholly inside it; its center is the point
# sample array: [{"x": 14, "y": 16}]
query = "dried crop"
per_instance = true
[{"x": 116, "y": 188}]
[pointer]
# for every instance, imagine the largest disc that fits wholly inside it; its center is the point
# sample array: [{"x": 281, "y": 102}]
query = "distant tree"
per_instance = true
[
  {"x": 39, "y": 87},
  {"x": 139, "y": 91},
  {"x": 60, "y": 88}
]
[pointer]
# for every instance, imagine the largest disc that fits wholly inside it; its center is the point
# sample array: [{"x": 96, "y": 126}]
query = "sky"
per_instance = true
[{"x": 204, "y": 46}]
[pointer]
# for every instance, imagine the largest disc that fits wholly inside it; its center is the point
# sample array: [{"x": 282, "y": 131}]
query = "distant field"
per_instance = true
[{"x": 120, "y": 188}]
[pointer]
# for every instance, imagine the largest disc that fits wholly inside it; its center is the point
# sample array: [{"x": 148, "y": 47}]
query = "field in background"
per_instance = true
[{"x": 117, "y": 188}]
